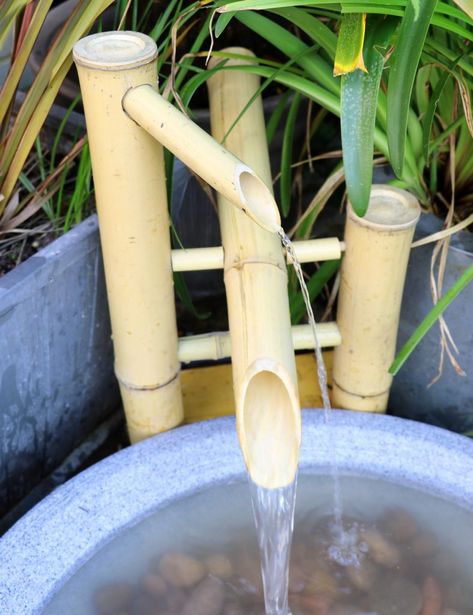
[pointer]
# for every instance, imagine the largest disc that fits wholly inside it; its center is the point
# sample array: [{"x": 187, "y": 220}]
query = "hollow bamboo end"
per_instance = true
[
  {"x": 115, "y": 50},
  {"x": 256, "y": 199},
  {"x": 390, "y": 209},
  {"x": 269, "y": 424}
]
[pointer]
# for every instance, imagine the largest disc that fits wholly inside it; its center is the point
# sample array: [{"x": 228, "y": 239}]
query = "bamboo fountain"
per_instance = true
[{"x": 128, "y": 123}]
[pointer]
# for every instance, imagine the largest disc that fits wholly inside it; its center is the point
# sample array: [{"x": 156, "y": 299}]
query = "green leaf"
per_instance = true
[
  {"x": 184, "y": 295},
  {"x": 222, "y": 22},
  {"x": 313, "y": 27},
  {"x": 428, "y": 118},
  {"x": 430, "y": 319},
  {"x": 286, "y": 155},
  {"x": 359, "y": 98},
  {"x": 315, "y": 286},
  {"x": 349, "y": 54},
  {"x": 401, "y": 79},
  {"x": 276, "y": 117}
]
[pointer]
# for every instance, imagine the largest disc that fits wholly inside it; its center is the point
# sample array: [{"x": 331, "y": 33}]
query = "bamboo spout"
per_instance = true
[
  {"x": 236, "y": 181},
  {"x": 263, "y": 362}
]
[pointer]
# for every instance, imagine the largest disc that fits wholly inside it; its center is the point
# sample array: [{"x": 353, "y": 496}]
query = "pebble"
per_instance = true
[
  {"x": 432, "y": 599},
  {"x": 219, "y": 565},
  {"x": 181, "y": 570},
  {"x": 380, "y": 550},
  {"x": 363, "y": 576},
  {"x": 399, "y": 525},
  {"x": 113, "y": 598},
  {"x": 154, "y": 584},
  {"x": 425, "y": 545},
  {"x": 395, "y": 596},
  {"x": 207, "y": 598}
]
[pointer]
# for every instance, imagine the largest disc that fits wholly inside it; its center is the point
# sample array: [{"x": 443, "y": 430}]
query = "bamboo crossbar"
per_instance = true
[
  {"x": 202, "y": 259},
  {"x": 218, "y": 346}
]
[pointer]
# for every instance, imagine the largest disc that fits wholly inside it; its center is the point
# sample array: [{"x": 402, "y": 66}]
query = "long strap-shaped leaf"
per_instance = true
[
  {"x": 359, "y": 97},
  {"x": 463, "y": 281},
  {"x": 401, "y": 79}
]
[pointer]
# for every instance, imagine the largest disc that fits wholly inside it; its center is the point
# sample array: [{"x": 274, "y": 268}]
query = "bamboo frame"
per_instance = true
[
  {"x": 371, "y": 287},
  {"x": 263, "y": 363},
  {"x": 199, "y": 259},
  {"x": 217, "y": 346},
  {"x": 236, "y": 181},
  {"x": 130, "y": 188}
]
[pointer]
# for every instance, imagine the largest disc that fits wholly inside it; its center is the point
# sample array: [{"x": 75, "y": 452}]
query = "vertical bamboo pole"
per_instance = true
[
  {"x": 263, "y": 363},
  {"x": 372, "y": 282},
  {"x": 128, "y": 169}
]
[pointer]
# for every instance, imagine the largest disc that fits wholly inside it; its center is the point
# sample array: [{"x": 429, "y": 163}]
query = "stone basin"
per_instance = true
[{"x": 48, "y": 545}]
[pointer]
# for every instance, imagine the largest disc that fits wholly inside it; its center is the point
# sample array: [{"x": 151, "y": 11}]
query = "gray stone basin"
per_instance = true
[{"x": 49, "y": 544}]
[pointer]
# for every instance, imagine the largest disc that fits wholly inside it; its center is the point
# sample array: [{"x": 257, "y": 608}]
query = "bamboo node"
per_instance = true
[{"x": 146, "y": 387}]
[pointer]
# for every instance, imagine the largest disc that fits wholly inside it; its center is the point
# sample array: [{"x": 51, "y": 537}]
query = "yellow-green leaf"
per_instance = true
[{"x": 349, "y": 53}]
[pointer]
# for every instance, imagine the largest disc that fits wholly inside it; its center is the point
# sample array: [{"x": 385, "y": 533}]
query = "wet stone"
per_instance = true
[
  {"x": 114, "y": 598},
  {"x": 396, "y": 596},
  {"x": 181, "y": 570}
]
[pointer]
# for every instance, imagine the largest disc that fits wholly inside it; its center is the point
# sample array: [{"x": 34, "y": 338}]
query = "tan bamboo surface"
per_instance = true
[
  {"x": 372, "y": 282},
  {"x": 130, "y": 189},
  {"x": 208, "y": 391},
  {"x": 203, "y": 154},
  {"x": 263, "y": 363},
  {"x": 198, "y": 259},
  {"x": 217, "y": 346}
]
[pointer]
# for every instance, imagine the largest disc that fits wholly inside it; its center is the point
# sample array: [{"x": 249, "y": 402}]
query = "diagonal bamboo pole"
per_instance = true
[
  {"x": 369, "y": 303},
  {"x": 236, "y": 181},
  {"x": 263, "y": 363},
  {"x": 130, "y": 189}
]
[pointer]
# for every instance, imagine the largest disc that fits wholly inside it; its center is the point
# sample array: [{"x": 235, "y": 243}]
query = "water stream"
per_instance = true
[{"x": 273, "y": 509}]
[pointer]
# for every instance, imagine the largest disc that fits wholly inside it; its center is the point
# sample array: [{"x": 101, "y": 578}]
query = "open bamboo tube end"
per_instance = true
[
  {"x": 115, "y": 50},
  {"x": 269, "y": 424},
  {"x": 204, "y": 155},
  {"x": 256, "y": 199}
]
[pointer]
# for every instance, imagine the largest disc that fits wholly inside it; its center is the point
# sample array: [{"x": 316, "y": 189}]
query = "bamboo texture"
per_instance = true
[
  {"x": 217, "y": 346},
  {"x": 130, "y": 187},
  {"x": 263, "y": 363},
  {"x": 199, "y": 259},
  {"x": 236, "y": 181},
  {"x": 372, "y": 281}
]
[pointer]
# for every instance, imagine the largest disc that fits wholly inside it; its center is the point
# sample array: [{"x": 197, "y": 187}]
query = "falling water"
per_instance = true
[
  {"x": 273, "y": 511},
  {"x": 321, "y": 375}
]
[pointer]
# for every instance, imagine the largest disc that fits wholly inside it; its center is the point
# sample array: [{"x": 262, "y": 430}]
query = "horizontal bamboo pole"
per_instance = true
[
  {"x": 201, "y": 259},
  {"x": 263, "y": 363},
  {"x": 233, "y": 179},
  {"x": 217, "y": 346},
  {"x": 130, "y": 188},
  {"x": 372, "y": 281}
]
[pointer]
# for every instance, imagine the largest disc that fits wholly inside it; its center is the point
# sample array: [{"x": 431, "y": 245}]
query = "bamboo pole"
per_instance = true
[
  {"x": 217, "y": 346},
  {"x": 236, "y": 181},
  {"x": 128, "y": 169},
  {"x": 263, "y": 363},
  {"x": 313, "y": 250},
  {"x": 371, "y": 287}
]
